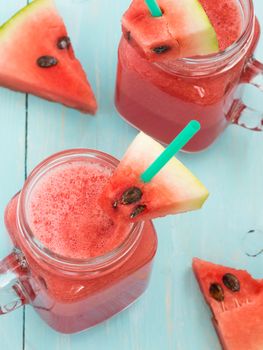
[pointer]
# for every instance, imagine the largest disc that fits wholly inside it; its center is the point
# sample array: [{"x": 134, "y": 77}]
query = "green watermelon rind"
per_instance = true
[
  {"x": 213, "y": 40},
  {"x": 27, "y": 10}
]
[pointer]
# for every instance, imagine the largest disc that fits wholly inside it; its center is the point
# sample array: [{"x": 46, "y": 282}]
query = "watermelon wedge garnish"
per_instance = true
[
  {"x": 236, "y": 301},
  {"x": 36, "y": 56},
  {"x": 184, "y": 30},
  {"x": 173, "y": 190}
]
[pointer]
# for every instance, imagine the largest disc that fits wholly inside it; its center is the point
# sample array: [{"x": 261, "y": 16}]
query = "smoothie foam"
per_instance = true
[{"x": 64, "y": 214}]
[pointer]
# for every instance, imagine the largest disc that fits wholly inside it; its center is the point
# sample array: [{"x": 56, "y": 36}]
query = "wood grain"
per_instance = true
[{"x": 12, "y": 175}]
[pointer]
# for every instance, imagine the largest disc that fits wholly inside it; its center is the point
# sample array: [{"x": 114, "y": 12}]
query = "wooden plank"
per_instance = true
[{"x": 12, "y": 151}]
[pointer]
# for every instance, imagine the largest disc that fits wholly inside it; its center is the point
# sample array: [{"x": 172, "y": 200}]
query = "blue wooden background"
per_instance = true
[{"x": 172, "y": 314}]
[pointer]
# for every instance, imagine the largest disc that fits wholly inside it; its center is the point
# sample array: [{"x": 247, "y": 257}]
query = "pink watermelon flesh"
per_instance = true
[
  {"x": 32, "y": 33},
  {"x": 127, "y": 178},
  {"x": 173, "y": 190},
  {"x": 238, "y": 319},
  {"x": 183, "y": 30}
]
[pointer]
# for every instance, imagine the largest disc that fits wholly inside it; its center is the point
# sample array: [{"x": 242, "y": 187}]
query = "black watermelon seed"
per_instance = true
[
  {"x": 130, "y": 196},
  {"x": 216, "y": 292},
  {"x": 231, "y": 282},
  {"x": 128, "y": 36},
  {"x": 137, "y": 211},
  {"x": 63, "y": 42},
  {"x": 47, "y": 61},
  {"x": 161, "y": 49}
]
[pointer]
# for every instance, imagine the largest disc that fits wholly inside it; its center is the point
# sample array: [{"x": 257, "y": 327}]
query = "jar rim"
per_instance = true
[
  {"x": 93, "y": 264},
  {"x": 231, "y": 52}
]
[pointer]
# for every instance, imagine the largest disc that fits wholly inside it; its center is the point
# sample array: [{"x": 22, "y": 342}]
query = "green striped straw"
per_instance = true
[
  {"x": 177, "y": 144},
  {"x": 154, "y": 8}
]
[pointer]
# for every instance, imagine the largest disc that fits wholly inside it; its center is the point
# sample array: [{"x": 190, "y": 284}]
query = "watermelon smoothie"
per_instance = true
[
  {"x": 64, "y": 214},
  {"x": 82, "y": 268},
  {"x": 161, "y": 98}
]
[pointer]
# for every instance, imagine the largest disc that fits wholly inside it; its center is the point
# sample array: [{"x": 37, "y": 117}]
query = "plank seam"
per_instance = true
[{"x": 25, "y": 174}]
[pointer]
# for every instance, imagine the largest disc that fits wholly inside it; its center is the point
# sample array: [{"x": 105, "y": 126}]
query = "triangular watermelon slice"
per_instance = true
[
  {"x": 184, "y": 30},
  {"x": 236, "y": 301},
  {"x": 36, "y": 57},
  {"x": 173, "y": 190}
]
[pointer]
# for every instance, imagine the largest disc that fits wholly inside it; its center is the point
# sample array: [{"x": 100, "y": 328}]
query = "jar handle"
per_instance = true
[
  {"x": 13, "y": 270},
  {"x": 240, "y": 113}
]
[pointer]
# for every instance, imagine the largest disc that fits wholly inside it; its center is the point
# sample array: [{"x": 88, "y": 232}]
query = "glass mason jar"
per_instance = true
[
  {"x": 71, "y": 294},
  {"x": 160, "y": 99}
]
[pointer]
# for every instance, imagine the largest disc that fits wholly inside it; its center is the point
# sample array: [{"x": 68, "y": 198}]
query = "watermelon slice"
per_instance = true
[
  {"x": 173, "y": 190},
  {"x": 37, "y": 57},
  {"x": 236, "y": 301},
  {"x": 184, "y": 30}
]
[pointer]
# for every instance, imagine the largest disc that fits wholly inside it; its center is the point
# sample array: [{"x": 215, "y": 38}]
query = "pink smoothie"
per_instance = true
[
  {"x": 61, "y": 209},
  {"x": 161, "y": 102},
  {"x": 65, "y": 216}
]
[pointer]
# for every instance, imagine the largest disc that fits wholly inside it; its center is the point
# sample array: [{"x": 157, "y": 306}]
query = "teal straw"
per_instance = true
[
  {"x": 177, "y": 144},
  {"x": 154, "y": 8}
]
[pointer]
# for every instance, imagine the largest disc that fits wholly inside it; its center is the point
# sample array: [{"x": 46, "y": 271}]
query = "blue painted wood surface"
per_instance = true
[{"x": 172, "y": 314}]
